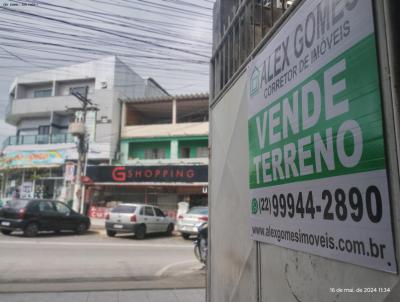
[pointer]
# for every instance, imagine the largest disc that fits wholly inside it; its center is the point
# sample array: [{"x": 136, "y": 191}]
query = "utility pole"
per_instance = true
[{"x": 78, "y": 129}]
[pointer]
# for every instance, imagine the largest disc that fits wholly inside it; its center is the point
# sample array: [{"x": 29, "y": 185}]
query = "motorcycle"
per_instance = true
[{"x": 201, "y": 243}]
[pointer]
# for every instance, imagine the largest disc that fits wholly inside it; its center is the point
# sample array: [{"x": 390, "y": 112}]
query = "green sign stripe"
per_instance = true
[{"x": 363, "y": 93}]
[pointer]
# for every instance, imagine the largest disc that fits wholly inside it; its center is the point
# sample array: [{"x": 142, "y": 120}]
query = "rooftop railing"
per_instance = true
[{"x": 38, "y": 139}]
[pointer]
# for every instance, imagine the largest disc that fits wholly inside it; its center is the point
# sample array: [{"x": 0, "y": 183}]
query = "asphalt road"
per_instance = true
[{"x": 68, "y": 262}]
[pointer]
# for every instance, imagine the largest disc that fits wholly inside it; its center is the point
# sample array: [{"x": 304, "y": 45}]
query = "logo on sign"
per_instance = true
[
  {"x": 254, "y": 206},
  {"x": 255, "y": 81}
]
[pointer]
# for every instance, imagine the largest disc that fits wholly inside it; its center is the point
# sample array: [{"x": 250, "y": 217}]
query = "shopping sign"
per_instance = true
[{"x": 317, "y": 169}]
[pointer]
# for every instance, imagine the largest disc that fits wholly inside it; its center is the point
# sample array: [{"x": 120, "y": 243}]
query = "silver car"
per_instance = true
[
  {"x": 188, "y": 223},
  {"x": 139, "y": 219}
]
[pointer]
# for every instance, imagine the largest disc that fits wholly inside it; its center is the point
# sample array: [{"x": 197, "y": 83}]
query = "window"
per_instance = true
[
  {"x": 148, "y": 211},
  {"x": 242, "y": 25},
  {"x": 63, "y": 209},
  {"x": 124, "y": 209},
  {"x": 44, "y": 130},
  {"x": 46, "y": 206},
  {"x": 202, "y": 152},
  {"x": 16, "y": 204},
  {"x": 40, "y": 93},
  {"x": 159, "y": 213},
  {"x": 185, "y": 152},
  {"x": 79, "y": 89},
  {"x": 154, "y": 153}
]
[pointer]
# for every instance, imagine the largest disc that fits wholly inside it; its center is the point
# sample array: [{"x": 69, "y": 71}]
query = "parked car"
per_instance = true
[
  {"x": 188, "y": 223},
  {"x": 33, "y": 216},
  {"x": 139, "y": 219}
]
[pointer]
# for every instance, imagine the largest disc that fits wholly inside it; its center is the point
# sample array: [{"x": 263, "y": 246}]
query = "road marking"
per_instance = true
[
  {"x": 161, "y": 271},
  {"x": 66, "y": 243}
]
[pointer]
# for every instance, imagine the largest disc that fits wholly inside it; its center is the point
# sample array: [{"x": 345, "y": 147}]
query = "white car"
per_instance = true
[
  {"x": 188, "y": 223},
  {"x": 140, "y": 219}
]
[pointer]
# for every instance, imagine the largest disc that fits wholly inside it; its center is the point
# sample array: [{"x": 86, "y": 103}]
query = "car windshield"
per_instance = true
[
  {"x": 199, "y": 211},
  {"x": 124, "y": 209},
  {"x": 16, "y": 204}
]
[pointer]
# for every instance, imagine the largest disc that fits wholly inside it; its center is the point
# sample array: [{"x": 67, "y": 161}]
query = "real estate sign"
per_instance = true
[{"x": 317, "y": 167}]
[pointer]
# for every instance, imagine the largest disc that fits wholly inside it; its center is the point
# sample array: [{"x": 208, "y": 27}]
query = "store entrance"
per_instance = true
[{"x": 48, "y": 188}]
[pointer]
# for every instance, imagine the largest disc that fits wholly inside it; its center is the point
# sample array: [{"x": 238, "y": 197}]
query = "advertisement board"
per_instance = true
[
  {"x": 32, "y": 159},
  {"x": 26, "y": 190},
  {"x": 162, "y": 174},
  {"x": 70, "y": 171},
  {"x": 317, "y": 166}
]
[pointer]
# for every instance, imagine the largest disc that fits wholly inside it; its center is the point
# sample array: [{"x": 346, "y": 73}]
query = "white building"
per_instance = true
[{"x": 41, "y": 107}]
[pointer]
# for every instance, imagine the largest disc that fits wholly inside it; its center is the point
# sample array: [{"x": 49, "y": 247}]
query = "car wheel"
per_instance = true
[
  {"x": 185, "y": 236},
  {"x": 140, "y": 232},
  {"x": 170, "y": 229},
  {"x": 81, "y": 228},
  {"x": 31, "y": 230},
  {"x": 111, "y": 233},
  {"x": 6, "y": 232}
]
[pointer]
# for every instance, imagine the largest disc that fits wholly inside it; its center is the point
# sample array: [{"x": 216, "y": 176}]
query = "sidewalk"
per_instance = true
[
  {"x": 172, "y": 295},
  {"x": 97, "y": 223}
]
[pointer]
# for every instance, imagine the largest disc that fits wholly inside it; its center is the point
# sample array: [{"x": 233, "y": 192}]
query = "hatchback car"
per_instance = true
[
  {"x": 33, "y": 216},
  {"x": 139, "y": 219},
  {"x": 188, "y": 223}
]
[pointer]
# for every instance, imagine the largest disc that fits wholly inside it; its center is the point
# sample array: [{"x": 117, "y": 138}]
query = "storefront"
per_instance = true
[
  {"x": 162, "y": 186},
  {"x": 34, "y": 174}
]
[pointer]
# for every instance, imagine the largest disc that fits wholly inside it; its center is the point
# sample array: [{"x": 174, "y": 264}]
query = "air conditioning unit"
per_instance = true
[{"x": 76, "y": 128}]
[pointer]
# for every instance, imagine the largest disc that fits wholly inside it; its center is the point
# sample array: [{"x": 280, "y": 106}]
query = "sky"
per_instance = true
[{"x": 168, "y": 40}]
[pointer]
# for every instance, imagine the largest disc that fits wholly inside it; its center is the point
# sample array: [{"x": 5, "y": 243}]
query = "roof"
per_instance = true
[{"x": 193, "y": 96}]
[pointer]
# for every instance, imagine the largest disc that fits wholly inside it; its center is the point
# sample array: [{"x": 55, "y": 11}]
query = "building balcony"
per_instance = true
[
  {"x": 165, "y": 130},
  {"x": 166, "y": 161},
  {"x": 41, "y": 106},
  {"x": 38, "y": 139}
]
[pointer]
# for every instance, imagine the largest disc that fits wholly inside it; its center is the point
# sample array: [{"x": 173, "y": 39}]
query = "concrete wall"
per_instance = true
[
  {"x": 102, "y": 70},
  {"x": 232, "y": 253},
  {"x": 284, "y": 275},
  {"x": 243, "y": 270},
  {"x": 182, "y": 129},
  {"x": 63, "y": 88}
]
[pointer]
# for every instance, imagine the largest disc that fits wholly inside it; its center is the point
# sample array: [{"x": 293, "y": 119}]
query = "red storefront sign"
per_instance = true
[{"x": 98, "y": 212}]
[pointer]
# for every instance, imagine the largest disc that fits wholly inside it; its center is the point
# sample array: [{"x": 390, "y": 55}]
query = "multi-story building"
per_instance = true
[
  {"x": 163, "y": 155},
  {"x": 41, "y": 107}
]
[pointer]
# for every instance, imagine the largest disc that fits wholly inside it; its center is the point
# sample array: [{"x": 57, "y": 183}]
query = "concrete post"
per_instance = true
[{"x": 174, "y": 111}]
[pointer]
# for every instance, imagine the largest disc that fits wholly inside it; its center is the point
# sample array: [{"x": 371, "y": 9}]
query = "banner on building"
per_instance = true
[
  {"x": 317, "y": 169},
  {"x": 127, "y": 174},
  {"x": 32, "y": 159}
]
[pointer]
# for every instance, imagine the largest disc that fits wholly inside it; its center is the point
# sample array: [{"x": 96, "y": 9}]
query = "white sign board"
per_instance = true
[
  {"x": 26, "y": 190},
  {"x": 69, "y": 171},
  {"x": 317, "y": 168}
]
